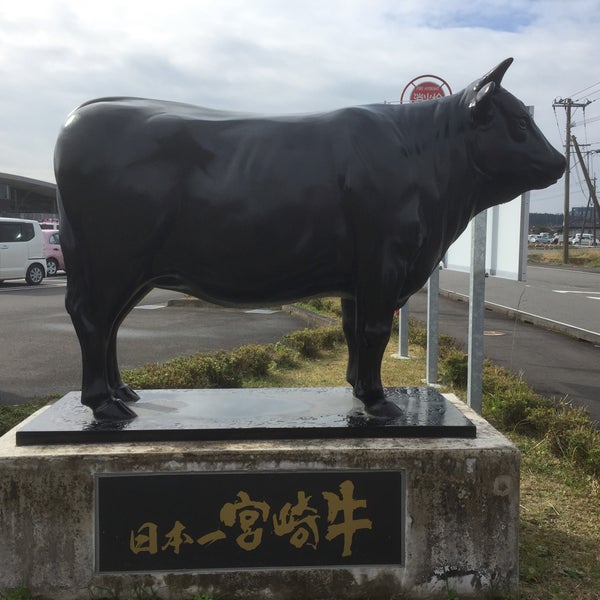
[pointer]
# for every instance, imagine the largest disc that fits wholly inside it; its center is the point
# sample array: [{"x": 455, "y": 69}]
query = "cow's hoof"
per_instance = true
[
  {"x": 113, "y": 410},
  {"x": 383, "y": 409},
  {"x": 125, "y": 393}
]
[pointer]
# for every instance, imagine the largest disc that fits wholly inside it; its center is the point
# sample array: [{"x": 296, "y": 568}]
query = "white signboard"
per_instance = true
[{"x": 506, "y": 247}]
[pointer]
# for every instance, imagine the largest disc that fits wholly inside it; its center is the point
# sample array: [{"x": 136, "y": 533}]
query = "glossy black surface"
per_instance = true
[
  {"x": 195, "y": 500},
  {"x": 361, "y": 203},
  {"x": 250, "y": 414}
]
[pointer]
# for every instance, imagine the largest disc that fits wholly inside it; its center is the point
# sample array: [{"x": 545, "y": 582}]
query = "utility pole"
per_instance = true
[
  {"x": 595, "y": 214},
  {"x": 586, "y": 174},
  {"x": 568, "y": 104}
]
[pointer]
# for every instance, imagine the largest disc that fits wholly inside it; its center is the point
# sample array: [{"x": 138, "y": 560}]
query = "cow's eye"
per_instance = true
[{"x": 523, "y": 123}]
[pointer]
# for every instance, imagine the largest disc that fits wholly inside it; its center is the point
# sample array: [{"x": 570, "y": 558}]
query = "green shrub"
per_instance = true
[
  {"x": 197, "y": 371},
  {"x": 417, "y": 334},
  {"x": 328, "y": 337},
  {"x": 309, "y": 342},
  {"x": 326, "y": 306},
  {"x": 253, "y": 360},
  {"x": 284, "y": 357},
  {"x": 508, "y": 402},
  {"x": 511, "y": 405},
  {"x": 453, "y": 369},
  {"x": 223, "y": 372},
  {"x": 304, "y": 342},
  {"x": 569, "y": 432},
  {"x": 446, "y": 345}
]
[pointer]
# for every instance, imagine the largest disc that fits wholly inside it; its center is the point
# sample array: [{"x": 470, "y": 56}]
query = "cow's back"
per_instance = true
[{"x": 224, "y": 198}]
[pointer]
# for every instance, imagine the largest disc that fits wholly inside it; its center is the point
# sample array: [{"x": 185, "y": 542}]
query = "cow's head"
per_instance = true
[{"x": 509, "y": 152}]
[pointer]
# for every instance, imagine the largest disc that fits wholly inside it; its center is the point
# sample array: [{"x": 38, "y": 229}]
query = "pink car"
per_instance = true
[{"x": 54, "y": 255}]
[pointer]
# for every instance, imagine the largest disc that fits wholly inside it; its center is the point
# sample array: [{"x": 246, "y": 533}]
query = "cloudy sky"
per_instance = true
[{"x": 288, "y": 56}]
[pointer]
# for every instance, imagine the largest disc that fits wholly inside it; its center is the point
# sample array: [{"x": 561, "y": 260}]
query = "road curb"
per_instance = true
[
  {"x": 311, "y": 319},
  {"x": 525, "y": 317}
]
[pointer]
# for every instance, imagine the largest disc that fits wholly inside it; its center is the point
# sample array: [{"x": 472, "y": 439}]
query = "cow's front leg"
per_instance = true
[{"x": 373, "y": 329}]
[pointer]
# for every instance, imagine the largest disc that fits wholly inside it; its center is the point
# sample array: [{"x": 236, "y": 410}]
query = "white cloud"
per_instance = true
[{"x": 274, "y": 56}]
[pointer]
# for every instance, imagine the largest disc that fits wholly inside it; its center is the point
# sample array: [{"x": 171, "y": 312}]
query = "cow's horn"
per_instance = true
[{"x": 495, "y": 75}]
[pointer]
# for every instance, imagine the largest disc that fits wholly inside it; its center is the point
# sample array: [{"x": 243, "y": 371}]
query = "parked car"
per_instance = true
[
  {"x": 54, "y": 256},
  {"x": 21, "y": 251},
  {"x": 540, "y": 238},
  {"x": 49, "y": 225},
  {"x": 544, "y": 238},
  {"x": 584, "y": 239}
]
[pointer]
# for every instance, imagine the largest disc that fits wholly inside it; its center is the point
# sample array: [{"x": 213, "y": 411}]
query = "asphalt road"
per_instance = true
[
  {"x": 40, "y": 352},
  {"x": 556, "y": 365},
  {"x": 570, "y": 298}
]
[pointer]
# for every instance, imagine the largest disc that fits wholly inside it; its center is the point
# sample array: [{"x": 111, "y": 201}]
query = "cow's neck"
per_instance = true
[{"x": 437, "y": 133}]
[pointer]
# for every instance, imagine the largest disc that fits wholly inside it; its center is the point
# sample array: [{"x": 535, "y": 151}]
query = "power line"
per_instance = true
[
  {"x": 585, "y": 121},
  {"x": 586, "y": 88},
  {"x": 588, "y": 96}
]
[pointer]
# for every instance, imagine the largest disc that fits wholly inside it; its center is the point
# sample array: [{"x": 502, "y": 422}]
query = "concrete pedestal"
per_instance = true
[{"x": 458, "y": 505}]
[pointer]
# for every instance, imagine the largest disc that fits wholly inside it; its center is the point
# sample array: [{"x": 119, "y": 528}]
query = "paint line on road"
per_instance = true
[
  {"x": 151, "y": 306},
  {"x": 32, "y": 288},
  {"x": 571, "y": 328},
  {"x": 585, "y": 334},
  {"x": 261, "y": 311},
  {"x": 574, "y": 292}
]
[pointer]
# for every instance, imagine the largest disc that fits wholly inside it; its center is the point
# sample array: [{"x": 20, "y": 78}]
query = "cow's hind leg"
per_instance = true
[
  {"x": 120, "y": 389},
  {"x": 93, "y": 324}
]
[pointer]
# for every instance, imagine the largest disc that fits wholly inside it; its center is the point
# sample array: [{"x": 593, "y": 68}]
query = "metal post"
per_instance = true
[
  {"x": 433, "y": 288},
  {"x": 402, "y": 333},
  {"x": 476, "y": 312}
]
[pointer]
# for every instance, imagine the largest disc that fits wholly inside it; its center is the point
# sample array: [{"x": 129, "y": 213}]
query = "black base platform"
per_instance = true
[{"x": 249, "y": 414}]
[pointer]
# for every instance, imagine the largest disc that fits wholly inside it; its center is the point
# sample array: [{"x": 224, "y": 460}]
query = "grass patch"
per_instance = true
[
  {"x": 328, "y": 307},
  {"x": 580, "y": 257},
  {"x": 13, "y": 415},
  {"x": 20, "y": 593}
]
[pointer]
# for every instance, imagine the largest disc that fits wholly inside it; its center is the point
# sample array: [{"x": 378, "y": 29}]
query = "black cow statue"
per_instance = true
[{"x": 361, "y": 203}]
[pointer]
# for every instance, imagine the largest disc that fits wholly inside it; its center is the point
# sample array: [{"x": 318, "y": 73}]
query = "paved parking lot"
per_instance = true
[{"x": 41, "y": 354}]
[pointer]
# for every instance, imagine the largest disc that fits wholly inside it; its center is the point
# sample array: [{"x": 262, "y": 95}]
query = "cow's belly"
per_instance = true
[{"x": 240, "y": 256}]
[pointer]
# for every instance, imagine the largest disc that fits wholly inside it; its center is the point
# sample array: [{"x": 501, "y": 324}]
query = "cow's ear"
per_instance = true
[
  {"x": 495, "y": 75},
  {"x": 480, "y": 107}
]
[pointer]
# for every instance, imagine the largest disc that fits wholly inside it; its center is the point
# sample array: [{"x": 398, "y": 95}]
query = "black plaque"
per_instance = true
[
  {"x": 211, "y": 521},
  {"x": 250, "y": 414}
]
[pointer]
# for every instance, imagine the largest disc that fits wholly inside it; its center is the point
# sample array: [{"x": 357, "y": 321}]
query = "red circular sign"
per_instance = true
[
  {"x": 422, "y": 89},
  {"x": 428, "y": 90}
]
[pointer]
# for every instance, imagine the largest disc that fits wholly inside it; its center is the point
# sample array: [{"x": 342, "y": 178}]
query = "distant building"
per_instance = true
[
  {"x": 27, "y": 198},
  {"x": 581, "y": 218},
  {"x": 548, "y": 220}
]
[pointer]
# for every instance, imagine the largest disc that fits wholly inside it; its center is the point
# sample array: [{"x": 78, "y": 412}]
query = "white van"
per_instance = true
[{"x": 21, "y": 250}]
